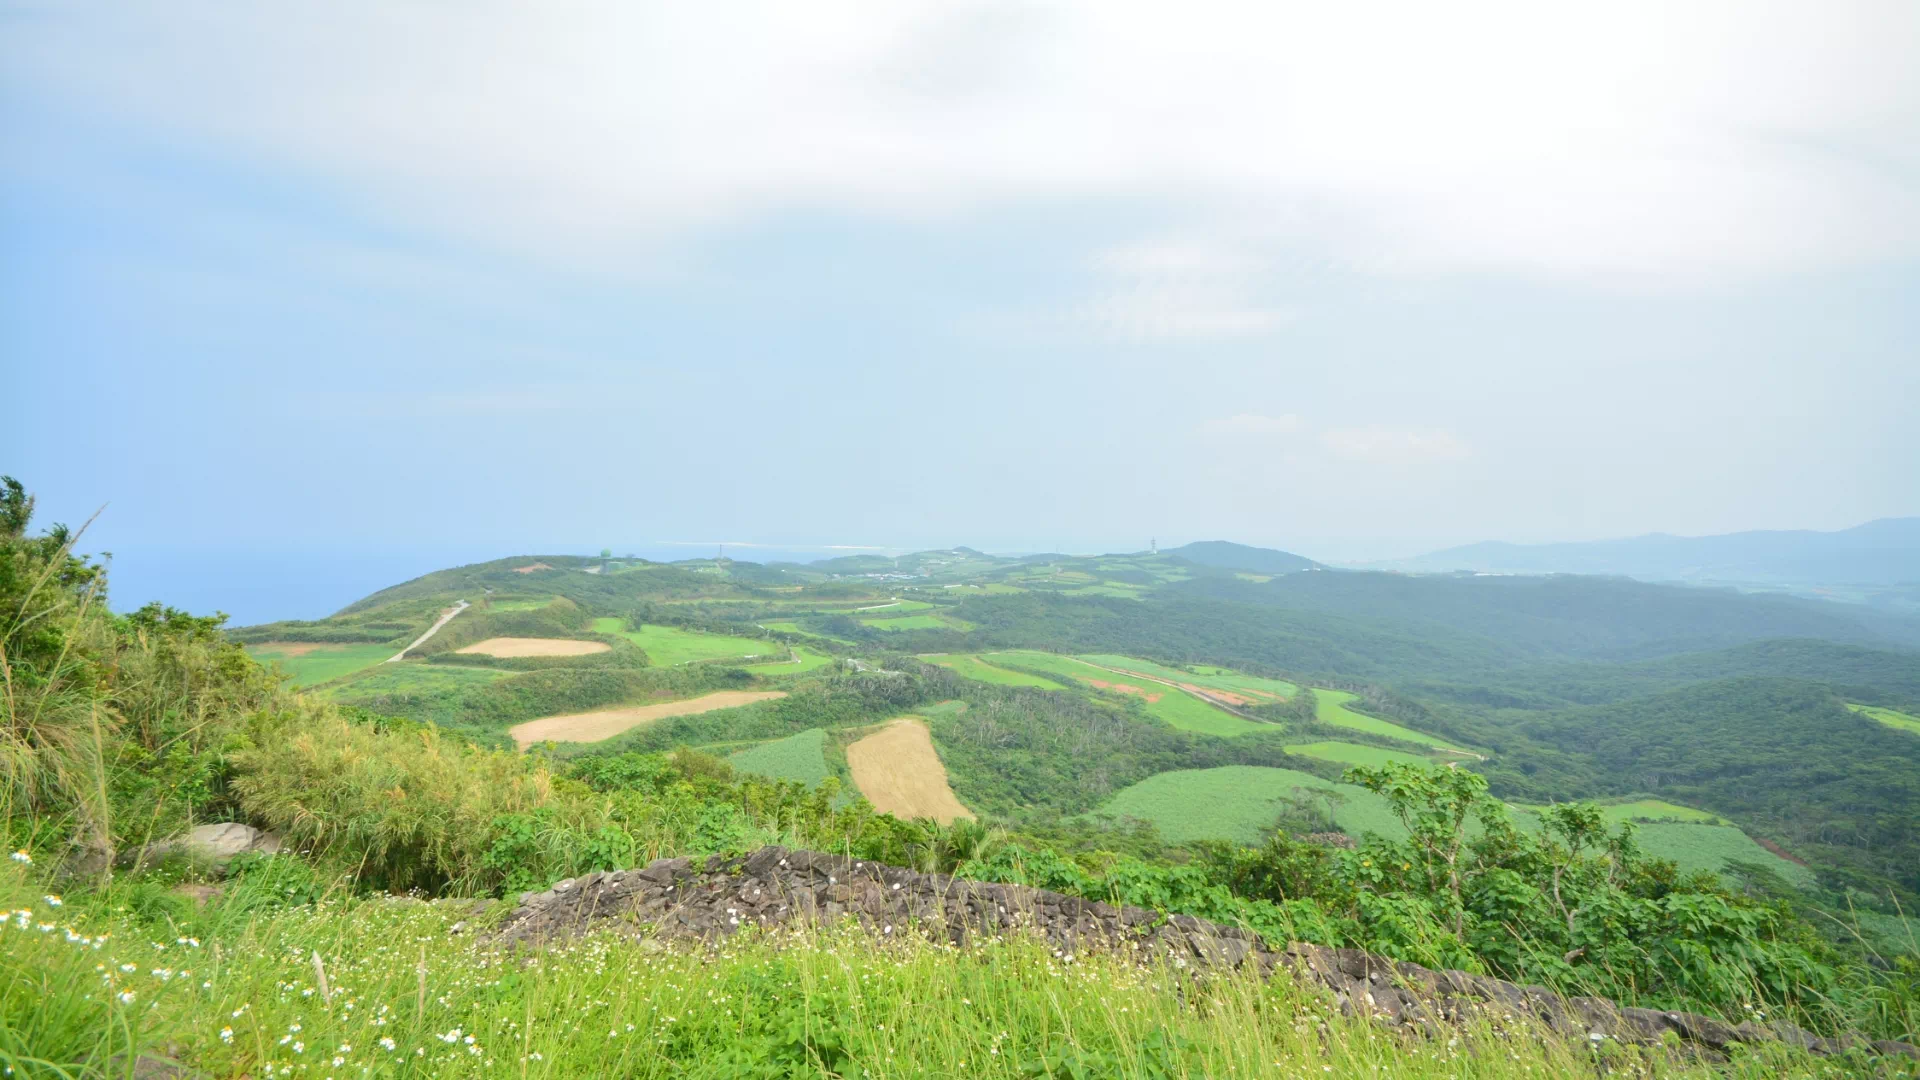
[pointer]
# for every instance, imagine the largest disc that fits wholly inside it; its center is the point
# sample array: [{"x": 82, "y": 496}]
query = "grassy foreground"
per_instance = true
[{"x": 398, "y": 987}]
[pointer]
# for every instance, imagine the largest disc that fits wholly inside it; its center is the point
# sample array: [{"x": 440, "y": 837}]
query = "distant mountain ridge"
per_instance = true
[
  {"x": 1227, "y": 555},
  {"x": 1881, "y": 552}
]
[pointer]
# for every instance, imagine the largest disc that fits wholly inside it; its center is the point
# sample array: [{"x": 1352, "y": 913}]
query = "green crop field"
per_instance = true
[
  {"x": 918, "y": 622},
  {"x": 1331, "y": 708},
  {"x": 799, "y": 757},
  {"x": 669, "y": 645},
  {"x": 1174, "y": 706},
  {"x": 809, "y": 661},
  {"x": 892, "y": 607},
  {"x": 979, "y": 670},
  {"x": 1241, "y": 803},
  {"x": 1212, "y": 678},
  {"x": 785, "y": 627},
  {"x": 321, "y": 663},
  {"x": 1697, "y": 846},
  {"x": 1889, "y": 717},
  {"x": 1356, "y": 754}
]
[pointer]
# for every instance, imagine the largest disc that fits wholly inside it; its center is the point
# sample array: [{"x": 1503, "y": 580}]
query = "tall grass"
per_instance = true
[{"x": 396, "y": 987}]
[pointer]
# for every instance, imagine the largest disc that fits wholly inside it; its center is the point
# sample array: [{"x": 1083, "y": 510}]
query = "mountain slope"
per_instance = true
[
  {"x": 1886, "y": 551},
  {"x": 1568, "y": 616},
  {"x": 1227, "y": 555}
]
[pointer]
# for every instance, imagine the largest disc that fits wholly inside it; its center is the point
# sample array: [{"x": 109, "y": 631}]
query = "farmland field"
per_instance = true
[
  {"x": 524, "y": 646},
  {"x": 1644, "y": 810},
  {"x": 310, "y": 664},
  {"x": 919, "y": 622},
  {"x": 899, "y": 772},
  {"x": 1251, "y": 687},
  {"x": 894, "y": 607},
  {"x": 973, "y": 667},
  {"x": 1698, "y": 846},
  {"x": 1241, "y": 803},
  {"x": 411, "y": 677},
  {"x": 1356, "y": 754},
  {"x": 809, "y": 661},
  {"x": 1175, "y": 707},
  {"x": 1331, "y": 708},
  {"x": 606, "y": 723},
  {"x": 1890, "y": 717},
  {"x": 799, "y": 757},
  {"x": 669, "y": 645}
]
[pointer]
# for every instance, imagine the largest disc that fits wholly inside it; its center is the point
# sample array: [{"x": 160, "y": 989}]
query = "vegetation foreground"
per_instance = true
[
  {"x": 273, "y": 981},
  {"x": 362, "y": 950}
]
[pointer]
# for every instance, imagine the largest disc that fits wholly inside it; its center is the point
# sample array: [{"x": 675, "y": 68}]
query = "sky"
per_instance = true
[{"x": 409, "y": 284}]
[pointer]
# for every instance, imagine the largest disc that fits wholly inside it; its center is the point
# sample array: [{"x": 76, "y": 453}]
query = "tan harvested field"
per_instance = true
[
  {"x": 606, "y": 723},
  {"x": 510, "y": 647},
  {"x": 898, "y": 771},
  {"x": 291, "y": 649}
]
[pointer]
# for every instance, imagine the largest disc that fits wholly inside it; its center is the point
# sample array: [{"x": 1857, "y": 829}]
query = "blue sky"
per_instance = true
[{"x": 442, "y": 282}]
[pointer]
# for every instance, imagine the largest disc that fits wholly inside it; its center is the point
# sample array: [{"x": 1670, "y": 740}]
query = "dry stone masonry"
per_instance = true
[{"x": 774, "y": 886}]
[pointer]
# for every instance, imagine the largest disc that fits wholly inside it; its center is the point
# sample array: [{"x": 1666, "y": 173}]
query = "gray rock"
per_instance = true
[
  {"x": 711, "y": 899},
  {"x": 217, "y": 844}
]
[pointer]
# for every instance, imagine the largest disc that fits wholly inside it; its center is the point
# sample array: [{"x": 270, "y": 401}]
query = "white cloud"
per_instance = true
[
  {"x": 1253, "y": 424},
  {"x": 1642, "y": 139},
  {"x": 1395, "y": 446}
]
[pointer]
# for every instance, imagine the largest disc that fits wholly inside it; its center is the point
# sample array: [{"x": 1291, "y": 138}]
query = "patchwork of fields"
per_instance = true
[
  {"x": 1170, "y": 704},
  {"x": 310, "y": 664},
  {"x": 602, "y": 724},
  {"x": 669, "y": 645}
]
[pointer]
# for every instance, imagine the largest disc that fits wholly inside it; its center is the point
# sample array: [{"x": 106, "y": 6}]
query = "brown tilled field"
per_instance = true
[
  {"x": 898, "y": 771},
  {"x": 291, "y": 649},
  {"x": 606, "y": 723},
  {"x": 511, "y": 647}
]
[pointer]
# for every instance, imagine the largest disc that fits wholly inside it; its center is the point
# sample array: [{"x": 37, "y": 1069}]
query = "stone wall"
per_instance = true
[{"x": 682, "y": 899}]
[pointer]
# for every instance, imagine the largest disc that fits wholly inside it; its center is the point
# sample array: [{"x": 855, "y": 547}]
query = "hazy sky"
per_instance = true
[{"x": 1356, "y": 280}]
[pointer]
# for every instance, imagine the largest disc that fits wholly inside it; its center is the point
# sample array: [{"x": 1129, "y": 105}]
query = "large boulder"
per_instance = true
[{"x": 218, "y": 844}]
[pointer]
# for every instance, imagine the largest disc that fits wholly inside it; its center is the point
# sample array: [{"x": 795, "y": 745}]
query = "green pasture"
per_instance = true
[
  {"x": 324, "y": 663},
  {"x": 1699, "y": 846},
  {"x": 991, "y": 588},
  {"x": 1175, "y": 707},
  {"x": 1693, "y": 839},
  {"x": 1348, "y": 753},
  {"x": 1330, "y": 707},
  {"x": 892, "y": 607},
  {"x": 1240, "y": 803},
  {"x": 973, "y": 667},
  {"x": 809, "y": 661},
  {"x": 413, "y": 677},
  {"x": 799, "y": 757},
  {"x": 517, "y": 604},
  {"x": 669, "y": 645},
  {"x": 1890, "y": 717},
  {"x": 1643, "y": 810},
  {"x": 787, "y": 627},
  {"x": 1213, "y": 678},
  {"x": 919, "y": 622}
]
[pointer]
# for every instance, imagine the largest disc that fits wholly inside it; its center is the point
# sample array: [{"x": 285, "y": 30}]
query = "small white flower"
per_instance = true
[
  {"x": 299, "y": 1048},
  {"x": 22, "y": 856},
  {"x": 339, "y": 1061},
  {"x": 387, "y": 1044},
  {"x": 226, "y": 1035},
  {"x": 52, "y": 901},
  {"x": 126, "y": 997}
]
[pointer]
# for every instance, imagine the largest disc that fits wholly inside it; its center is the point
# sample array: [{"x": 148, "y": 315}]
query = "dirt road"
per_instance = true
[{"x": 431, "y": 630}]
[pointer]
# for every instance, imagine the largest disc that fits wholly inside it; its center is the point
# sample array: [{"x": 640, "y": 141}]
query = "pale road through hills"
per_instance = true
[{"x": 431, "y": 630}]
